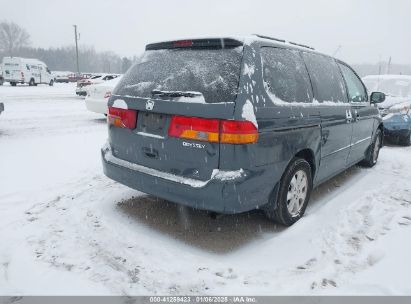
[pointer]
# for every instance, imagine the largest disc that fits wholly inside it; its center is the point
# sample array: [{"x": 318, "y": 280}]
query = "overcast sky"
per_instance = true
[{"x": 367, "y": 30}]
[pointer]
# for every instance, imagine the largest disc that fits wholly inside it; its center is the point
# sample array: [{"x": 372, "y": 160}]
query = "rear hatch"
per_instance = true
[
  {"x": 180, "y": 92},
  {"x": 12, "y": 71}
]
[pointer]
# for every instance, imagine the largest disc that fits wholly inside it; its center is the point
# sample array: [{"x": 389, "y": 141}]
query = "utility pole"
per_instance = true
[
  {"x": 337, "y": 50},
  {"x": 76, "y": 38},
  {"x": 389, "y": 66}
]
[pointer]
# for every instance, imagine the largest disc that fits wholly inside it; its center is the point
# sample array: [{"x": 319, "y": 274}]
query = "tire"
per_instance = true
[
  {"x": 405, "y": 141},
  {"x": 1, "y": 82},
  {"x": 13, "y": 84},
  {"x": 51, "y": 83},
  {"x": 294, "y": 190},
  {"x": 32, "y": 83},
  {"x": 373, "y": 151}
]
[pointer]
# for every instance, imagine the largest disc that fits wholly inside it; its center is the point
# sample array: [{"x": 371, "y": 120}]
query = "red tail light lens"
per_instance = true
[
  {"x": 238, "y": 132},
  {"x": 213, "y": 130},
  {"x": 122, "y": 118},
  {"x": 201, "y": 129},
  {"x": 183, "y": 43}
]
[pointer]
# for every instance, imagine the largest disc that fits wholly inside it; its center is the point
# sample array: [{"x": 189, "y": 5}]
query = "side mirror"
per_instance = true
[{"x": 377, "y": 97}]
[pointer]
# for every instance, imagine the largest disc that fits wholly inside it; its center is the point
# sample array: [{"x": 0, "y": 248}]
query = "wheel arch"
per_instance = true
[{"x": 309, "y": 156}]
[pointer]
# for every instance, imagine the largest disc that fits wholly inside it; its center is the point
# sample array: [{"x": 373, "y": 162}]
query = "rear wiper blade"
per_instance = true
[{"x": 175, "y": 93}]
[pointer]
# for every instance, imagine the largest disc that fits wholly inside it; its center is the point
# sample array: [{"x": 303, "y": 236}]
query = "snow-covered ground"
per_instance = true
[{"x": 66, "y": 229}]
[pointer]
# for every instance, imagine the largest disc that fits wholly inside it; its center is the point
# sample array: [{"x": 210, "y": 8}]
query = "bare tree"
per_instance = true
[{"x": 12, "y": 37}]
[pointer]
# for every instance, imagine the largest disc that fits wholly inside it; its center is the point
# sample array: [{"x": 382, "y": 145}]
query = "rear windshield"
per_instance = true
[{"x": 213, "y": 73}]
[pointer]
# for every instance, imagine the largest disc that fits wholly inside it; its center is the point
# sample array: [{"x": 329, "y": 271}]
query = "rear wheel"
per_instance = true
[
  {"x": 293, "y": 194},
  {"x": 31, "y": 82},
  {"x": 51, "y": 83},
  {"x": 373, "y": 151},
  {"x": 13, "y": 84}
]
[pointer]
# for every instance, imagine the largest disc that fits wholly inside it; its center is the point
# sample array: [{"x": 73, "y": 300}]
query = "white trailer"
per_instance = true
[{"x": 24, "y": 70}]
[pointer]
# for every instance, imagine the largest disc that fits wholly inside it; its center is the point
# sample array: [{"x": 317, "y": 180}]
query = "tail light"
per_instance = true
[
  {"x": 194, "y": 128},
  {"x": 183, "y": 43},
  {"x": 122, "y": 118},
  {"x": 213, "y": 130},
  {"x": 238, "y": 132},
  {"x": 107, "y": 95},
  {"x": 22, "y": 75}
]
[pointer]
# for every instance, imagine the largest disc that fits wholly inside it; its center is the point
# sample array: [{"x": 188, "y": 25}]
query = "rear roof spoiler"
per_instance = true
[{"x": 214, "y": 43}]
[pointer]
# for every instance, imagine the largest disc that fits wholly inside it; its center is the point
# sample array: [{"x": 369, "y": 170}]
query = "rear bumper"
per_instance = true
[
  {"x": 225, "y": 192},
  {"x": 13, "y": 80},
  {"x": 96, "y": 105},
  {"x": 81, "y": 91},
  {"x": 395, "y": 133}
]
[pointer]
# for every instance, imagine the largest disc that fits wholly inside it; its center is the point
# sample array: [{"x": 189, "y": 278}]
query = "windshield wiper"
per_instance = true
[{"x": 175, "y": 93}]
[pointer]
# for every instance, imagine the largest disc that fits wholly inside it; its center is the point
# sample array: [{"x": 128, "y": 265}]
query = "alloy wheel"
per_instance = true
[{"x": 297, "y": 192}]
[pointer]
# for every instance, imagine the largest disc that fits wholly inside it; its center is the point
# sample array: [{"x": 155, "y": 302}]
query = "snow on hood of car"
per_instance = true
[{"x": 391, "y": 101}]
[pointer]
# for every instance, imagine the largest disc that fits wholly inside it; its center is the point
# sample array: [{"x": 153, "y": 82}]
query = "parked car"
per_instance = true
[
  {"x": 96, "y": 79},
  {"x": 98, "y": 95},
  {"x": 1, "y": 107},
  {"x": 24, "y": 70},
  {"x": 395, "y": 110},
  {"x": 61, "y": 76},
  {"x": 234, "y": 124}
]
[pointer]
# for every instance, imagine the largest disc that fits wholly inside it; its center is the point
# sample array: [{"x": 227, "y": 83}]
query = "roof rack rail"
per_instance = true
[
  {"x": 271, "y": 38},
  {"x": 282, "y": 40},
  {"x": 302, "y": 45}
]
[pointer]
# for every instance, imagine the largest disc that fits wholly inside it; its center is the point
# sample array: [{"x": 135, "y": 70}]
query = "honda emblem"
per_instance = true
[{"x": 149, "y": 105}]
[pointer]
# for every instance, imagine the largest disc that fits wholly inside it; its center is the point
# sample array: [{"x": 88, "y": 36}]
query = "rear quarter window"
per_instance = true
[
  {"x": 326, "y": 78},
  {"x": 356, "y": 90},
  {"x": 285, "y": 76}
]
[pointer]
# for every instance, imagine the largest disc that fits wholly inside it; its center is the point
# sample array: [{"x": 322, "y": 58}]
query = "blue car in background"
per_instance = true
[{"x": 395, "y": 110}]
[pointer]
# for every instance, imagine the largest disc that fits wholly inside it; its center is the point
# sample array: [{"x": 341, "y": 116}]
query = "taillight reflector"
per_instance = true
[
  {"x": 122, "y": 118},
  {"x": 213, "y": 130}
]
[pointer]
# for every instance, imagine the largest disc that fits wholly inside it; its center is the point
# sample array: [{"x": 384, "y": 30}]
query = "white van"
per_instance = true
[{"x": 24, "y": 70}]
